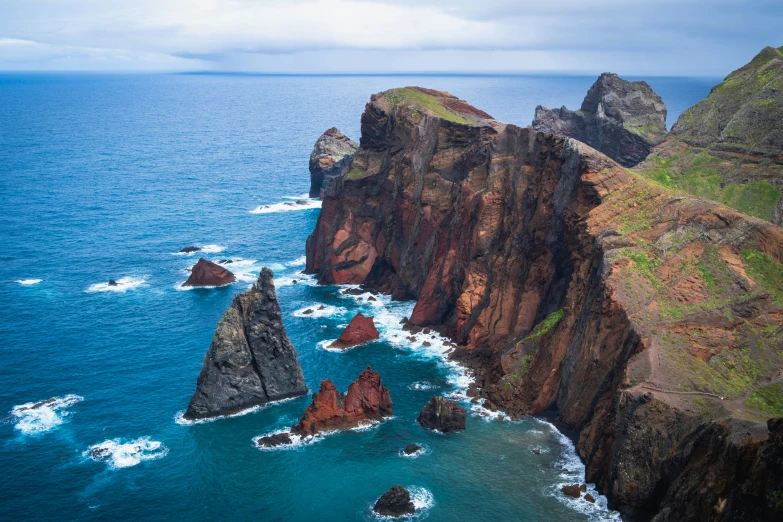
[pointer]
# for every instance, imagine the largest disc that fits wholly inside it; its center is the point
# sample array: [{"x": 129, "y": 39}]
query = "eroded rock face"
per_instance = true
[
  {"x": 332, "y": 153},
  {"x": 366, "y": 401},
  {"x": 250, "y": 361},
  {"x": 443, "y": 415},
  {"x": 207, "y": 273},
  {"x": 569, "y": 283},
  {"x": 395, "y": 503},
  {"x": 622, "y": 119},
  {"x": 360, "y": 330}
]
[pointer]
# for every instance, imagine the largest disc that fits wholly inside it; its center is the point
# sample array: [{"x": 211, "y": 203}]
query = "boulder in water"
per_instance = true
[
  {"x": 395, "y": 503},
  {"x": 360, "y": 330},
  {"x": 190, "y": 249},
  {"x": 410, "y": 449},
  {"x": 207, "y": 273},
  {"x": 443, "y": 415},
  {"x": 278, "y": 439}
]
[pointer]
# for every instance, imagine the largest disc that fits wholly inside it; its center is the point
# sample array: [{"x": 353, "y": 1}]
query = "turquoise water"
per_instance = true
[{"x": 107, "y": 177}]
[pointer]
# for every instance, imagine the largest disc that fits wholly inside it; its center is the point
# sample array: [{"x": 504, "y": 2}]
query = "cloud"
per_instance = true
[{"x": 657, "y": 36}]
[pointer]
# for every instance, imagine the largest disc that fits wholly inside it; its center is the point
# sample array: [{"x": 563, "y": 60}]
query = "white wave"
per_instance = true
[
  {"x": 236, "y": 262},
  {"x": 288, "y": 206},
  {"x": 488, "y": 415},
  {"x": 299, "y": 261},
  {"x": 28, "y": 282},
  {"x": 204, "y": 249},
  {"x": 180, "y": 419},
  {"x": 123, "y": 285},
  {"x": 421, "y": 386},
  {"x": 300, "y": 196},
  {"x": 181, "y": 288},
  {"x": 422, "y": 502},
  {"x": 301, "y": 279},
  {"x": 326, "y": 345},
  {"x": 118, "y": 454},
  {"x": 298, "y": 441},
  {"x": 572, "y": 471},
  {"x": 320, "y": 310},
  {"x": 41, "y": 417}
]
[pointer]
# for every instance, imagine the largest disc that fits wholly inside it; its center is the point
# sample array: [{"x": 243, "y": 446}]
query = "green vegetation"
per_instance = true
[
  {"x": 768, "y": 399},
  {"x": 757, "y": 198},
  {"x": 766, "y": 272},
  {"x": 423, "y": 102},
  {"x": 545, "y": 326},
  {"x": 355, "y": 174}
]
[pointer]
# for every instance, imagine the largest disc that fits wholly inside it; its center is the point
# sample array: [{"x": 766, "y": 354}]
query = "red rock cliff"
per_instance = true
[{"x": 570, "y": 283}]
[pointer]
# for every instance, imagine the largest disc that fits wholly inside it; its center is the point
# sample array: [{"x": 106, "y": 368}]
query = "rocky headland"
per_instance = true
[
  {"x": 251, "y": 361},
  {"x": 729, "y": 146},
  {"x": 622, "y": 119},
  {"x": 331, "y": 153},
  {"x": 207, "y": 273},
  {"x": 366, "y": 401},
  {"x": 650, "y": 321},
  {"x": 360, "y": 330}
]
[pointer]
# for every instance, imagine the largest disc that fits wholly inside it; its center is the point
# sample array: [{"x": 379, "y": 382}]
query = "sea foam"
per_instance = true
[
  {"x": 40, "y": 417},
  {"x": 123, "y": 285},
  {"x": 28, "y": 282},
  {"x": 303, "y": 202},
  {"x": 118, "y": 454}
]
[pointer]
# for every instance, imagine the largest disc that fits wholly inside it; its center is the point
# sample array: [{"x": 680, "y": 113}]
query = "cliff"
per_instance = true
[
  {"x": 729, "y": 146},
  {"x": 622, "y": 119},
  {"x": 331, "y": 153},
  {"x": 250, "y": 361},
  {"x": 649, "y": 320}
]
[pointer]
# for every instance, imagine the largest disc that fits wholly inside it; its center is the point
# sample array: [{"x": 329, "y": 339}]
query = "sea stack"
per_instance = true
[
  {"x": 360, "y": 330},
  {"x": 251, "y": 361},
  {"x": 366, "y": 400},
  {"x": 622, "y": 119},
  {"x": 395, "y": 503},
  {"x": 332, "y": 153},
  {"x": 442, "y": 415},
  {"x": 207, "y": 273}
]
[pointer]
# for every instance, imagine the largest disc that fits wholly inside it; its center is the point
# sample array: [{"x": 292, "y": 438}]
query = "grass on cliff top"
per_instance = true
[
  {"x": 767, "y": 399},
  {"x": 766, "y": 272},
  {"x": 423, "y": 102}
]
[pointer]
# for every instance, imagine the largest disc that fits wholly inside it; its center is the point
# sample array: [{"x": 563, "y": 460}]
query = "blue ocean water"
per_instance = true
[{"x": 107, "y": 177}]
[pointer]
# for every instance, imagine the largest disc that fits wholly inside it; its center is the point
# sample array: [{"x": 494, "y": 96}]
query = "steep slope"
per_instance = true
[
  {"x": 571, "y": 283},
  {"x": 250, "y": 361},
  {"x": 622, "y": 119},
  {"x": 729, "y": 146}
]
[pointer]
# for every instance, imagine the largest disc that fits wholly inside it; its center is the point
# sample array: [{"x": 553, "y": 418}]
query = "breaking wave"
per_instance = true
[
  {"x": 122, "y": 285},
  {"x": 118, "y": 454},
  {"x": 40, "y": 417},
  {"x": 28, "y": 282}
]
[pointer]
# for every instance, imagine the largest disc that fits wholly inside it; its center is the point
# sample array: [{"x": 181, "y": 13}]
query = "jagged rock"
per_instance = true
[
  {"x": 207, "y": 273},
  {"x": 410, "y": 449},
  {"x": 572, "y": 490},
  {"x": 443, "y": 415},
  {"x": 112, "y": 282},
  {"x": 360, "y": 330},
  {"x": 278, "y": 439},
  {"x": 332, "y": 153},
  {"x": 330, "y": 410},
  {"x": 622, "y": 119},
  {"x": 729, "y": 146},
  {"x": 250, "y": 361},
  {"x": 190, "y": 249},
  {"x": 590, "y": 498},
  {"x": 395, "y": 503},
  {"x": 499, "y": 233}
]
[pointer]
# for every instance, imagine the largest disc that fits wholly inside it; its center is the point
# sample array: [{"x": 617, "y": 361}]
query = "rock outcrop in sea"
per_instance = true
[
  {"x": 366, "y": 401},
  {"x": 251, "y": 361},
  {"x": 729, "y": 146},
  {"x": 332, "y": 152},
  {"x": 443, "y": 415},
  {"x": 360, "y": 330},
  {"x": 622, "y": 119},
  {"x": 395, "y": 503},
  {"x": 650, "y": 321},
  {"x": 207, "y": 273}
]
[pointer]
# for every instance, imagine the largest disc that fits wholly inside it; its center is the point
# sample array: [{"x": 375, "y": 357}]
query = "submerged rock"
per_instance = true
[
  {"x": 410, "y": 449},
  {"x": 331, "y": 410},
  {"x": 360, "y": 330},
  {"x": 190, "y": 249},
  {"x": 250, "y": 361},
  {"x": 622, "y": 119},
  {"x": 395, "y": 503},
  {"x": 443, "y": 415},
  {"x": 332, "y": 153},
  {"x": 207, "y": 273}
]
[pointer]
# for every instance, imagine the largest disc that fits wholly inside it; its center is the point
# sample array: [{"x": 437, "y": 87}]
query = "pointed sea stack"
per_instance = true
[
  {"x": 207, "y": 273},
  {"x": 251, "y": 361},
  {"x": 360, "y": 330},
  {"x": 622, "y": 119},
  {"x": 331, "y": 410},
  {"x": 332, "y": 153}
]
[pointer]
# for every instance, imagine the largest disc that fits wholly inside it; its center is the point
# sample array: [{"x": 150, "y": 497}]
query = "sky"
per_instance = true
[{"x": 634, "y": 37}]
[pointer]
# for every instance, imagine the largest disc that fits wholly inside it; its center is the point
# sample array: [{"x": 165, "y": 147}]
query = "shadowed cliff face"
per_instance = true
[{"x": 642, "y": 316}]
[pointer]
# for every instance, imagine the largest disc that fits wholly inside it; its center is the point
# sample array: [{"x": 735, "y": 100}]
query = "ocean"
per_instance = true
[{"x": 108, "y": 176}]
